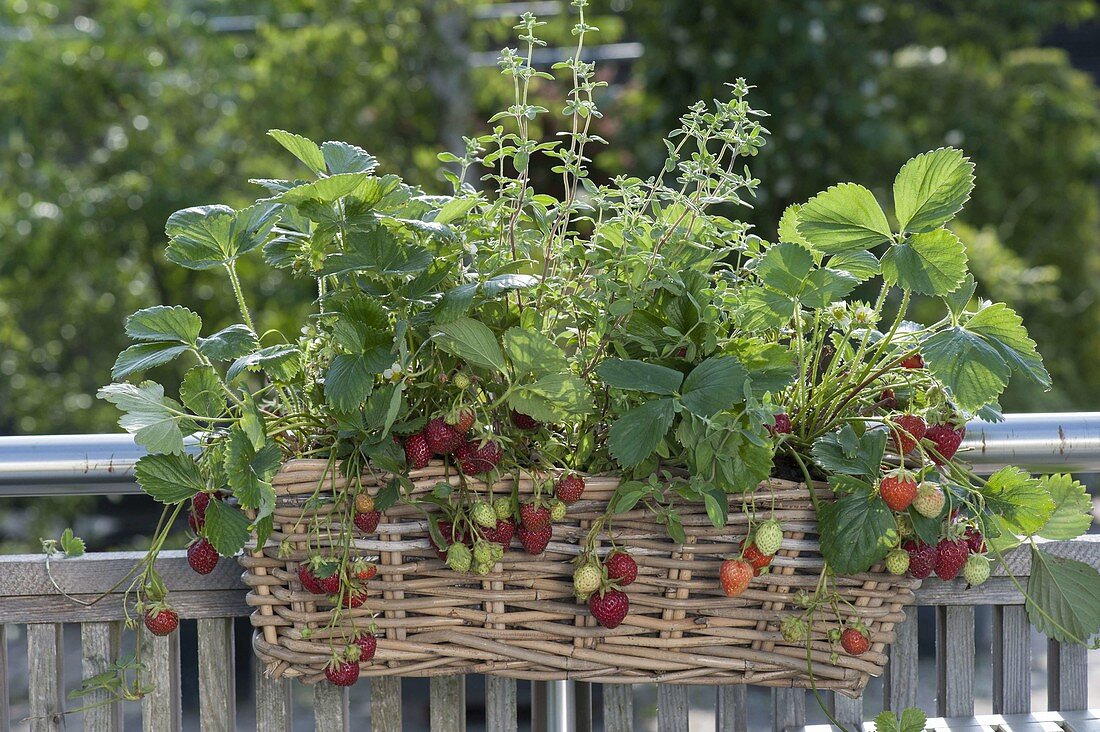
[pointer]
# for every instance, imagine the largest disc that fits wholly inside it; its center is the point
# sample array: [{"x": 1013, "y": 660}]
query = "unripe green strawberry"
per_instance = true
[
  {"x": 459, "y": 557},
  {"x": 483, "y": 568},
  {"x": 976, "y": 569},
  {"x": 794, "y": 629},
  {"x": 769, "y": 537},
  {"x": 496, "y": 551},
  {"x": 929, "y": 500},
  {"x": 557, "y": 510},
  {"x": 586, "y": 580},
  {"x": 461, "y": 380},
  {"x": 483, "y": 515},
  {"x": 483, "y": 552},
  {"x": 503, "y": 507},
  {"x": 897, "y": 561}
]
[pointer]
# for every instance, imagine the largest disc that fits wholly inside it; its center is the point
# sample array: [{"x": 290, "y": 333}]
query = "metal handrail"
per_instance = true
[{"x": 103, "y": 464}]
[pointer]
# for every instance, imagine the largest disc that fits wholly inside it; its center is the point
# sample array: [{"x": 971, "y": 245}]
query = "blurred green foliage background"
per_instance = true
[{"x": 115, "y": 113}]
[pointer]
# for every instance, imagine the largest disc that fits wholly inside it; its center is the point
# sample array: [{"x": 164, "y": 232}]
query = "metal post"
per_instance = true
[{"x": 561, "y": 708}]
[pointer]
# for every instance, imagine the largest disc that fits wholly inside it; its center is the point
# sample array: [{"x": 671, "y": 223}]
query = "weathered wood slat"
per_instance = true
[
  {"x": 788, "y": 709},
  {"x": 385, "y": 704},
  {"x": 273, "y": 701},
  {"x": 732, "y": 709},
  {"x": 23, "y": 575},
  {"x": 582, "y": 695},
  {"x": 955, "y": 661},
  {"x": 217, "y": 691},
  {"x": 672, "y": 708},
  {"x": 1067, "y": 676},
  {"x": 192, "y": 604},
  {"x": 44, "y": 661},
  {"x": 500, "y": 704},
  {"x": 161, "y": 709},
  {"x": 1011, "y": 660},
  {"x": 447, "y": 706},
  {"x": 330, "y": 708},
  {"x": 900, "y": 684},
  {"x": 618, "y": 708},
  {"x": 5, "y": 707},
  {"x": 847, "y": 711},
  {"x": 99, "y": 649}
]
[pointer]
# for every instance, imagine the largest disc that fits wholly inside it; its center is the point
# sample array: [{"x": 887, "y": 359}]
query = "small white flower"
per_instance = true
[
  {"x": 838, "y": 311},
  {"x": 863, "y": 314}
]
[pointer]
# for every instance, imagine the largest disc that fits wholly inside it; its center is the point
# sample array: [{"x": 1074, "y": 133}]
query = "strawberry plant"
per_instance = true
[{"x": 629, "y": 326}]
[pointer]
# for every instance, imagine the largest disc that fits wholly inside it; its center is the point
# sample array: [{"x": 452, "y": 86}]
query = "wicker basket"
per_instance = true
[{"x": 522, "y": 620}]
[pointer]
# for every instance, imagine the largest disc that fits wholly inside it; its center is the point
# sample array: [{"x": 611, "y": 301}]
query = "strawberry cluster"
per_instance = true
[
  {"x": 601, "y": 582},
  {"x": 756, "y": 553}
]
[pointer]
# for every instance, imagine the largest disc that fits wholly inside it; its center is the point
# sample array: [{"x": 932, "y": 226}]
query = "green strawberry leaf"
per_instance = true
[
  {"x": 151, "y": 417},
  {"x": 229, "y": 343},
  {"x": 164, "y": 323},
  {"x": 533, "y": 353},
  {"x": 72, "y": 545},
  {"x": 210, "y": 236},
  {"x": 201, "y": 392},
  {"x": 340, "y": 157},
  {"x": 714, "y": 385},
  {"x": 567, "y": 393},
  {"x": 144, "y": 356},
  {"x": 302, "y": 148},
  {"x": 635, "y": 435},
  {"x": 169, "y": 478},
  {"x": 249, "y": 472},
  {"x": 788, "y": 226},
  {"x": 845, "y": 217},
  {"x": 860, "y": 264},
  {"x": 784, "y": 267},
  {"x": 825, "y": 286},
  {"x": 846, "y": 453},
  {"x": 762, "y": 309},
  {"x": 929, "y": 263},
  {"x": 1003, "y": 329},
  {"x": 1015, "y": 502},
  {"x": 378, "y": 252},
  {"x": 1063, "y": 597},
  {"x": 533, "y": 405},
  {"x": 857, "y": 530},
  {"x": 227, "y": 528},
  {"x": 277, "y": 360},
  {"x": 1072, "y": 514},
  {"x": 931, "y": 188},
  {"x": 472, "y": 341},
  {"x": 349, "y": 382},
  {"x": 634, "y": 375}
]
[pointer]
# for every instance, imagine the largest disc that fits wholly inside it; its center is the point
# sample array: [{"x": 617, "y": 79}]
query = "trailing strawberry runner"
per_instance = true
[{"x": 608, "y": 434}]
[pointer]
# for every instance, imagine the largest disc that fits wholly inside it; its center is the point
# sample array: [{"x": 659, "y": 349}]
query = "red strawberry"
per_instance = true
[
  {"x": 161, "y": 620},
  {"x": 947, "y": 439},
  {"x": 908, "y": 431},
  {"x": 309, "y": 581},
  {"x": 951, "y": 555},
  {"x": 463, "y": 420},
  {"x": 442, "y": 438},
  {"x": 354, "y": 597},
  {"x": 367, "y": 521},
  {"x": 916, "y": 361},
  {"x": 897, "y": 490},
  {"x": 735, "y": 575},
  {"x": 922, "y": 558},
  {"x": 476, "y": 459},
  {"x": 609, "y": 607},
  {"x": 368, "y": 645},
  {"x": 342, "y": 673},
  {"x": 534, "y": 541},
  {"x": 569, "y": 488},
  {"x": 502, "y": 533},
  {"x": 524, "y": 422},
  {"x": 621, "y": 567},
  {"x": 888, "y": 400},
  {"x": 533, "y": 516},
  {"x": 363, "y": 570},
  {"x": 196, "y": 518},
  {"x": 781, "y": 426},
  {"x": 417, "y": 452},
  {"x": 755, "y": 557},
  {"x": 202, "y": 556},
  {"x": 854, "y": 641},
  {"x": 974, "y": 540},
  {"x": 329, "y": 585}
]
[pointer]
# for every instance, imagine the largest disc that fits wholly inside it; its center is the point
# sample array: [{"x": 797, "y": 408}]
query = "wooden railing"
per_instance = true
[{"x": 30, "y": 599}]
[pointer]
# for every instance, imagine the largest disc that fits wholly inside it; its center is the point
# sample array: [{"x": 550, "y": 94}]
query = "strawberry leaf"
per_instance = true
[
  {"x": 634, "y": 375},
  {"x": 1015, "y": 502},
  {"x": 1072, "y": 514},
  {"x": 227, "y": 528},
  {"x": 848, "y": 454},
  {"x": 636, "y": 434},
  {"x": 302, "y": 148},
  {"x": 931, "y": 263},
  {"x": 151, "y": 417},
  {"x": 714, "y": 385},
  {"x": 144, "y": 356},
  {"x": 203, "y": 237},
  {"x": 1063, "y": 597},
  {"x": 931, "y": 188},
  {"x": 857, "y": 530},
  {"x": 202, "y": 393},
  {"x": 164, "y": 323},
  {"x": 472, "y": 341},
  {"x": 844, "y": 218},
  {"x": 169, "y": 478},
  {"x": 229, "y": 343},
  {"x": 533, "y": 353}
]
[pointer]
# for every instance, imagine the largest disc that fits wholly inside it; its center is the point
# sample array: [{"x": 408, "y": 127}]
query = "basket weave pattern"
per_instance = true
[{"x": 522, "y": 620}]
